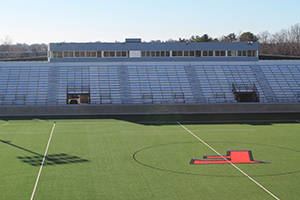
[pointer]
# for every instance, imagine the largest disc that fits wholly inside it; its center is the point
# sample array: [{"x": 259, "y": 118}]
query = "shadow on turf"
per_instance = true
[
  {"x": 254, "y": 119},
  {"x": 51, "y": 159},
  {"x": 247, "y": 119}
]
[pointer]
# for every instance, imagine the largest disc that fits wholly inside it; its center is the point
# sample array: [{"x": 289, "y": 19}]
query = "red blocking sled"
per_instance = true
[{"x": 234, "y": 156}]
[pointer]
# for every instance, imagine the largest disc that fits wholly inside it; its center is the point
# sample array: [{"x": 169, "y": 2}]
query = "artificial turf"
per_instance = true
[{"x": 113, "y": 159}]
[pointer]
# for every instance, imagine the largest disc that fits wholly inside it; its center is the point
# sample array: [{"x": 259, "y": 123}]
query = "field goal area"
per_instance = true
[{"x": 119, "y": 159}]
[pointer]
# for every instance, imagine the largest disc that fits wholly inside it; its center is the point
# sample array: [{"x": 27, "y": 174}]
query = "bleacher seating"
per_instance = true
[
  {"x": 284, "y": 81},
  {"x": 159, "y": 85},
  {"x": 23, "y": 85},
  {"x": 147, "y": 83}
]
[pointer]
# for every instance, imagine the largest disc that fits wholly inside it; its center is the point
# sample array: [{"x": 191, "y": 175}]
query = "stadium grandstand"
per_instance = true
[{"x": 157, "y": 78}]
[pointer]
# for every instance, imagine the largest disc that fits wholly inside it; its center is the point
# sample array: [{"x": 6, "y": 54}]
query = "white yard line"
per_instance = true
[
  {"x": 43, "y": 163},
  {"x": 233, "y": 165}
]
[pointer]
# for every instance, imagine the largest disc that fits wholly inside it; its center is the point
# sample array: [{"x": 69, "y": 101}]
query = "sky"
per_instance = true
[{"x": 44, "y": 21}]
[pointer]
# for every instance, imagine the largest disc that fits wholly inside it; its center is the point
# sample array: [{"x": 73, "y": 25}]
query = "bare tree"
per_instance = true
[
  {"x": 6, "y": 43},
  {"x": 284, "y": 42},
  {"x": 264, "y": 37},
  {"x": 7, "y": 40},
  {"x": 295, "y": 33}
]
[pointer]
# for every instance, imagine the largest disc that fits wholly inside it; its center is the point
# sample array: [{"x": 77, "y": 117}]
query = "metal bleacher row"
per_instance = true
[{"x": 147, "y": 83}]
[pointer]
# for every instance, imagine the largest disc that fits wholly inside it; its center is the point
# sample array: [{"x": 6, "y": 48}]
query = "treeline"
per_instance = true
[
  {"x": 22, "y": 50},
  {"x": 285, "y": 42},
  {"x": 232, "y": 37}
]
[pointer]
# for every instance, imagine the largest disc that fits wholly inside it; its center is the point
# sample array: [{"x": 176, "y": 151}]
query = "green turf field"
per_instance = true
[{"x": 111, "y": 159}]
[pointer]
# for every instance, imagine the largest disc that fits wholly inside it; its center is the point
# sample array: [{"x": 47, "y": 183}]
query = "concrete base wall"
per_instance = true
[{"x": 201, "y": 112}]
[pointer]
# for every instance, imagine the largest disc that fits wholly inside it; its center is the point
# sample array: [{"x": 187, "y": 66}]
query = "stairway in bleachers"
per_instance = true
[
  {"x": 53, "y": 85},
  {"x": 124, "y": 84},
  {"x": 195, "y": 84},
  {"x": 264, "y": 84}
]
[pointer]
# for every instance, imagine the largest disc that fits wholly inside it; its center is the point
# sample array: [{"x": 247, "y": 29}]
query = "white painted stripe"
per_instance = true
[
  {"x": 43, "y": 163},
  {"x": 233, "y": 165}
]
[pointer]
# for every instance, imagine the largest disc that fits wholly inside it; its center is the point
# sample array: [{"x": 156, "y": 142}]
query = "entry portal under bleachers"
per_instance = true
[
  {"x": 83, "y": 98},
  {"x": 245, "y": 93}
]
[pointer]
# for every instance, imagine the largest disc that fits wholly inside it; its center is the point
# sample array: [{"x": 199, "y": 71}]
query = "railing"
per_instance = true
[{"x": 244, "y": 88}]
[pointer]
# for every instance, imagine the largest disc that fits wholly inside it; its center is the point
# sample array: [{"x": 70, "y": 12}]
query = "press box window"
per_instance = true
[
  {"x": 57, "y": 54},
  {"x": 68, "y": 54},
  {"x": 119, "y": 54},
  {"x": 109, "y": 54},
  {"x": 177, "y": 53},
  {"x": 122, "y": 54},
  {"x": 231, "y": 53},
  {"x": 242, "y": 53},
  {"x": 79, "y": 54},
  {"x": 198, "y": 53},
  {"x": 251, "y": 53},
  {"x": 220, "y": 53},
  {"x": 91, "y": 54}
]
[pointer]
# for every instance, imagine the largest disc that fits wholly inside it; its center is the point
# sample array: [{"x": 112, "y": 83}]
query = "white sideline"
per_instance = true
[
  {"x": 233, "y": 165},
  {"x": 43, "y": 162}
]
